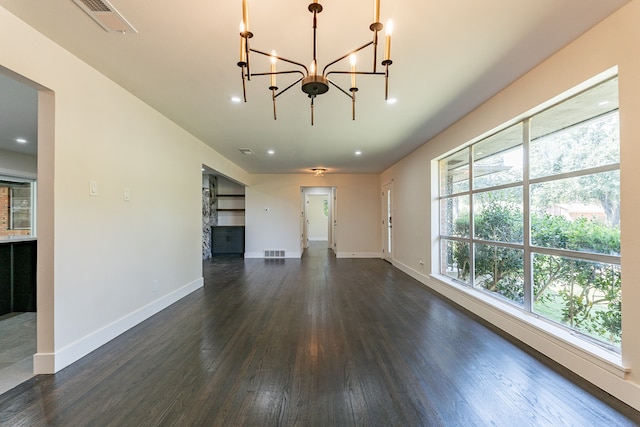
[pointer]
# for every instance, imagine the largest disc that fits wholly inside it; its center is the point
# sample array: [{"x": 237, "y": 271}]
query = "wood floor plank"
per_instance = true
[{"x": 311, "y": 342}]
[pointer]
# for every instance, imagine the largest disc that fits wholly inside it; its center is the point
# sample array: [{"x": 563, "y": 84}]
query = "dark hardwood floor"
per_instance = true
[{"x": 311, "y": 342}]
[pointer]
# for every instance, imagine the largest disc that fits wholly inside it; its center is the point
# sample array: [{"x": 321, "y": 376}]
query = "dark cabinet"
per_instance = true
[
  {"x": 5, "y": 279},
  {"x": 17, "y": 277},
  {"x": 227, "y": 240}
]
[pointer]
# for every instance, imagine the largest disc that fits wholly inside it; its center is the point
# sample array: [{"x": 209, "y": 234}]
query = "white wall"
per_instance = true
[
  {"x": 318, "y": 222},
  {"x": 612, "y": 43},
  {"x": 105, "y": 264},
  {"x": 18, "y": 164},
  {"x": 358, "y": 208}
]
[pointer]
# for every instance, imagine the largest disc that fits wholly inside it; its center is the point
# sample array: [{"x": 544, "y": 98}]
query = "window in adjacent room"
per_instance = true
[
  {"x": 531, "y": 215},
  {"x": 16, "y": 207}
]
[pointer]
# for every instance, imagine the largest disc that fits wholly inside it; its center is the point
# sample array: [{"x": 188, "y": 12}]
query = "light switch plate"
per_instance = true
[
  {"x": 127, "y": 194},
  {"x": 93, "y": 188}
]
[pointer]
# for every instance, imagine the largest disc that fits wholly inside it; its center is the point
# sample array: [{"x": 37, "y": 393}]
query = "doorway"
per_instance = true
[
  {"x": 223, "y": 215},
  {"x": 387, "y": 222},
  {"x": 318, "y": 221},
  {"x": 19, "y": 197}
]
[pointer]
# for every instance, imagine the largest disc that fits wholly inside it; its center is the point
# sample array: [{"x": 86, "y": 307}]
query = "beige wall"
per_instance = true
[
  {"x": 18, "y": 164},
  {"x": 611, "y": 43},
  {"x": 358, "y": 213}
]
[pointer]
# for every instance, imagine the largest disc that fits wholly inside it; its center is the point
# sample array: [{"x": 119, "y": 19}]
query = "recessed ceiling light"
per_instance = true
[
  {"x": 603, "y": 103},
  {"x": 21, "y": 140},
  {"x": 391, "y": 101},
  {"x": 358, "y": 153},
  {"x": 271, "y": 152},
  {"x": 235, "y": 99}
]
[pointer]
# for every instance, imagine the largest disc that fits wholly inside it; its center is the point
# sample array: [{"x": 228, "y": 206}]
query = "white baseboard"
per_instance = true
[
  {"x": 358, "y": 255},
  {"x": 44, "y": 363},
  {"x": 50, "y": 363}
]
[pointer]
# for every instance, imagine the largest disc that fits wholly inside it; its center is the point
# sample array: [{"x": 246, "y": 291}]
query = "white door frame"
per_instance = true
[
  {"x": 387, "y": 222},
  {"x": 304, "y": 221},
  {"x": 333, "y": 220},
  {"x": 304, "y": 243}
]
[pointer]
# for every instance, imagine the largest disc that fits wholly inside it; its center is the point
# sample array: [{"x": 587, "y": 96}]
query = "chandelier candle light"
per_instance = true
[{"x": 314, "y": 84}]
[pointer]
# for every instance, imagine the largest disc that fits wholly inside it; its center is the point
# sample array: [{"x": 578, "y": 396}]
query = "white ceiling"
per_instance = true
[
  {"x": 448, "y": 57},
  {"x": 18, "y": 116}
]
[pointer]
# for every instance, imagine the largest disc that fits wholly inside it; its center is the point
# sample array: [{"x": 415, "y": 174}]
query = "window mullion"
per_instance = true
[
  {"x": 526, "y": 217},
  {"x": 472, "y": 268}
]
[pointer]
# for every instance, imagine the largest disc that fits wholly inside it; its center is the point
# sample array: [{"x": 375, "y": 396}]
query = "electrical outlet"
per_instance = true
[{"x": 155, "y": 285}]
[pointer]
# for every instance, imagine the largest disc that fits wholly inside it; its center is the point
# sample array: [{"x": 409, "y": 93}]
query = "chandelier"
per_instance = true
[{"x": 314, "y": 83}]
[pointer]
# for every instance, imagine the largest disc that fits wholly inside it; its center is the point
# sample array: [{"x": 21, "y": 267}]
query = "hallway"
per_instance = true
[{"x": 318, "y": 341}]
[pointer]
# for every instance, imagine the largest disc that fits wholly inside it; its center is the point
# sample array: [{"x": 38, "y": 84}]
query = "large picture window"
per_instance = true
[{"x": 531, "y": 215}]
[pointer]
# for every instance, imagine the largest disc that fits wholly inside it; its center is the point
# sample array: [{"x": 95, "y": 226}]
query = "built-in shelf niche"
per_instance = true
[
  {"x": 230, "y": 203},
  {"x": 234, "y": 199}
]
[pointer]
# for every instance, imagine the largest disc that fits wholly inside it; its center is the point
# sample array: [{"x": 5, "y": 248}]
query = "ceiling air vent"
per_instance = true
[
  {"x": 106, "y": 16},
  {"x": 245, "y": 151}
]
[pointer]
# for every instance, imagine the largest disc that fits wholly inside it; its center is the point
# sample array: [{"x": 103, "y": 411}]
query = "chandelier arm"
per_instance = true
[
  {"x": 287, "y": 88},
  {"x": 280, "y": 72},
  {"x": 353, "y": 105},
  {"x": 244, "y": 85},
  {"x": 273, "y": 97},
  {"x": 375, "y": 49},
  {"x": 247, "y": 49},
  {"x": 366, "y": 73},
  {"x": 312, "y": 98},
  {"x": 386, "y": 81},
  {"x": 344, "y": 56},
  {"x": 280, "y": 58},
  {"x": 315, "y": 39},
  {"x": 340, "y": 89}
]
